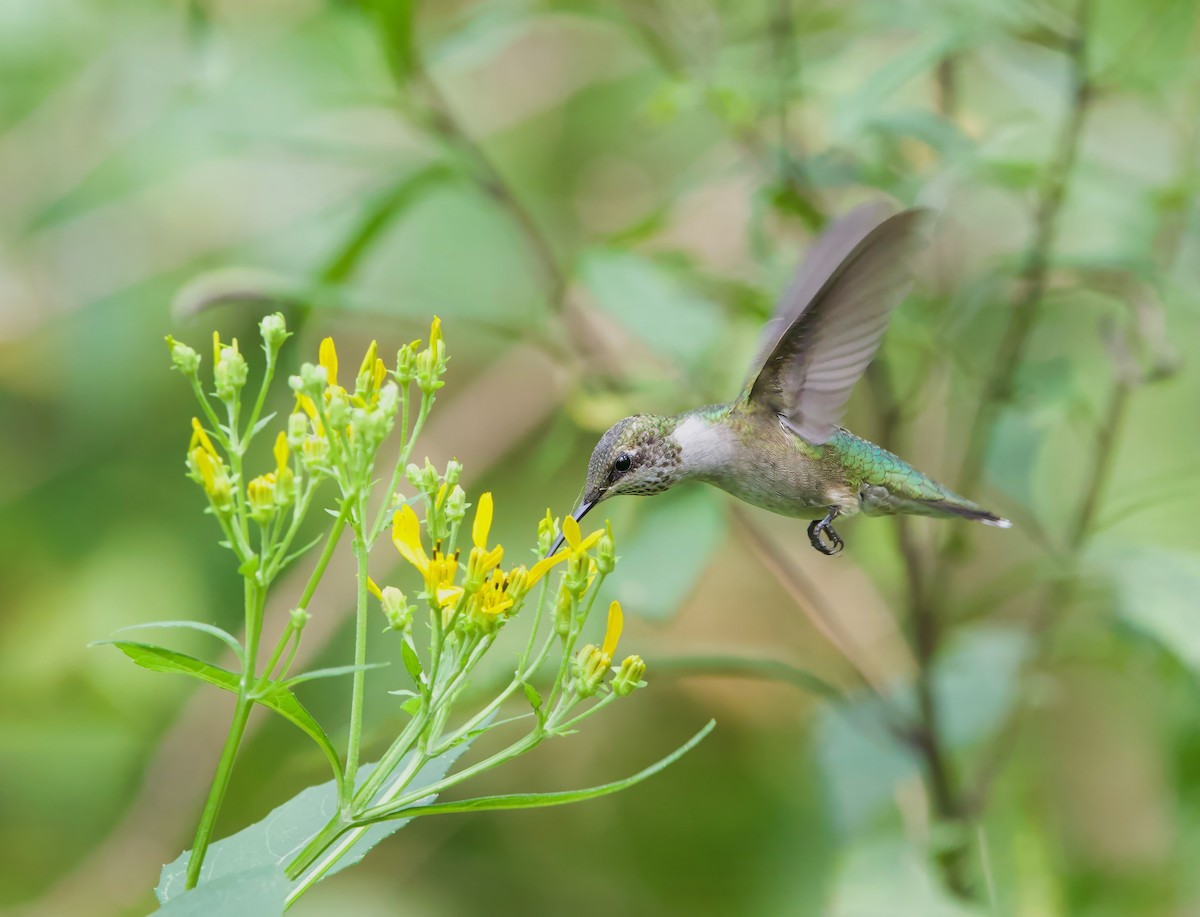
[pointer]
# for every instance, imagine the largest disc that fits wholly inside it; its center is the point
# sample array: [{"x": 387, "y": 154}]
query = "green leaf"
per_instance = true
[
  {"x": 1156, "y": 592},
  {"x": 380, "y": 214},
  {"x": 653, "y": 584},
  {"x": 395, "y": 20},
  {"x": 412, "y": 662},
  {"x": 975, "y": 683},
  {"x": 277, "y": 697},
  {"x": 210, "y": 629},
  {"x": 258, "y": 892},
  {"x": 652, "y": 304},
  {"x": 539, "y": 800},
  {"x": 272, "y": 842},
  {"x": 411, "y": 706},
  {"x": 535, "y": 701},
  {"x": 332, "y": 672}
]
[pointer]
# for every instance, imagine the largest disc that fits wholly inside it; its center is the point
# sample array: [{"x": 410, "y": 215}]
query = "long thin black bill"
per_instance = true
[{"x": 580, "y": 511}]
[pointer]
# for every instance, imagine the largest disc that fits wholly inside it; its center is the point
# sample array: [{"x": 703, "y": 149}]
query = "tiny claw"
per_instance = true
[{"x": 822, "y": 526}]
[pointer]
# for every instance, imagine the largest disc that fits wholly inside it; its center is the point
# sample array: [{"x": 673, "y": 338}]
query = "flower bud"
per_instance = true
[
  {"x": 285, "y": 487},
  {"x": 274, "y": 331},
  {"x": 406, "y": 359},
  {"x": 424, "y": 479},
  {"x": 453, "y": 472},
  {"x": 184, "y": 359},
  {"x": 338, "y": 408},
  {"x": 299, "y": 618},
  {"x": 297, "y": 429},
  {"x": 629, "y": 676},
  {"x": 562, "y": 613},
  {"x": 456, "y": 505},
  {"x": 578, "y": 572},
  {"x": 260, "y": 493},
  {"x": 230, "y": 373},
  {"x": 518, "y": 583},
  {"x": 547, "y": 533},
  {"x": 589, "y": 667},
  {"x": 311, "y": 380},
  {"x": 606, "y": 551},
  {"x": 364, "y": 382},
  {"x": 396, "y": 608},
  {"x": 213, "y": 476},
  {"x": 314, "y": 451}
]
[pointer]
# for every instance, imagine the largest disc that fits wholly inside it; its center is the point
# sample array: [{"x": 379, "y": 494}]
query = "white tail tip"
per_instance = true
[{"x": 997, "y": 523}]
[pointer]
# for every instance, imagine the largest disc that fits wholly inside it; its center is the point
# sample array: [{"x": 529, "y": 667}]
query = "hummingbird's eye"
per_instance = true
[{"x": 622, "y": 463}]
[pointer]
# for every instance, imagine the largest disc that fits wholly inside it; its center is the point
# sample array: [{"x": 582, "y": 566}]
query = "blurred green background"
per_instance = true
[{"x": 602, "y": 200}]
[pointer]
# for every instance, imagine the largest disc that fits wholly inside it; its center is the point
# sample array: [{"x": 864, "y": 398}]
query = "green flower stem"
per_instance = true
[
  {"x": 306, "y": 860},
  {"x": 408, "y": 440},
  {"x": 389, "y": 804},
  {"x": 537, "y": 623},
  {"x": 255, "y": 598},
  {"x": 551, "y": 722},
  {"x": 391, "y": 758},
  {"x": 361, "y": 553},
  {"x": 521, "y": 677},
  {"x": 268, "y": 375},
  {"x": 209, "y": 413},
  {"x": 314, "y": 579}
]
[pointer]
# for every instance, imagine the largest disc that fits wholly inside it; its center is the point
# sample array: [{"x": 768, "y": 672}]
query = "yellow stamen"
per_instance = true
[{"x": 616, "y": 621}]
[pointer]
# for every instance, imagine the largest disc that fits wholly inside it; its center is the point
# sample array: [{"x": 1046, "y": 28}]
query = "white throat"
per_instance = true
[{"x": 705, "y": 447}]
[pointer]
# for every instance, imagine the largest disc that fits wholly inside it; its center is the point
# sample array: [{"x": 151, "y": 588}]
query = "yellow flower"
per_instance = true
[
  {"x": 260, "y": 493},
  {"x": 575, "y": 538},
  {"x": 439, "y": 570},
  {"x": 481, "y": 560},
  {"x": 327, "y": 357}
]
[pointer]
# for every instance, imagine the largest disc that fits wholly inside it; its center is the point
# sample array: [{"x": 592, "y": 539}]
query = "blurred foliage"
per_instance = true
[{"x": 612, "y": 194}]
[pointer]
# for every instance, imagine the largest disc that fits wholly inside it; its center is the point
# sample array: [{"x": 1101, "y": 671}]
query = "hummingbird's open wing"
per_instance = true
[{"x": 828, "y": 324}]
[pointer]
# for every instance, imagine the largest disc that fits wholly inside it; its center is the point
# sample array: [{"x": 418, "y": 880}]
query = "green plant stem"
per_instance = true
[
  {"x": 406, "y": 447},
  {"x": 254, "y": 598},
  {"x": 361, "y": 553},
  {"x": 268, "y": 375}
]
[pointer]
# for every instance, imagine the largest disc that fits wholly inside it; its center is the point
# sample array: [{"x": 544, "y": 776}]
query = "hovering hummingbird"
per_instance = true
[{"x": 778, "y": 445}]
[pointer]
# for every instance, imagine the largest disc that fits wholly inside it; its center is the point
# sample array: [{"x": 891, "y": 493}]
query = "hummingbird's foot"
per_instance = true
[{"x": 820, "y": 526}]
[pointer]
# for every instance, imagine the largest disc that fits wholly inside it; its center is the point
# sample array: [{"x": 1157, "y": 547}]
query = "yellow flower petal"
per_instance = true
[
  {"x": 307, "y": 405},
  {"x": 406, "y": 535},
  {"x": 216, "y": 348},
  {"x": 589, "y": 541},
  {"x": 369, "y": 358},
  {"x": 328, "y": 359},
  {"x": 570, "y": 530},
  {"x": 373, "y": 588},
  {"x": 380, "y": 375},
  {"x": 616, "y": 621},
  {"x": 435, "y": 332},
  {"x": 201, "y": 438},
  {"x": 542, "y": 567},
  {"x": 483, "y": 521},
  {"x": 281, "y": 452},
  {"x": 448, "y": 595}
]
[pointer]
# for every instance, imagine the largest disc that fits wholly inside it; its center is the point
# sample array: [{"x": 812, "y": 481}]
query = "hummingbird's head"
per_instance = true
[{"x": 636, "y": 456}]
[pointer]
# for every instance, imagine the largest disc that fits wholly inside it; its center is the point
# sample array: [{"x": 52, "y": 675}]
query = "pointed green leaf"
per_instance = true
[
  {"x": 277, "y": 697},
  {"x": 210, "y": 629},
  {"x": 538, "y": 800}
]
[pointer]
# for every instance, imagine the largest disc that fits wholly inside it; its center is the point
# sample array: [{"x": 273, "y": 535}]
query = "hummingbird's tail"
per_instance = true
[{"x": 954, "y": 505}]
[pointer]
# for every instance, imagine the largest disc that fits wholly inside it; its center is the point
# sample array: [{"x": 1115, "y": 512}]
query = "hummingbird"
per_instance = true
[{"x": 779, "y": 444}]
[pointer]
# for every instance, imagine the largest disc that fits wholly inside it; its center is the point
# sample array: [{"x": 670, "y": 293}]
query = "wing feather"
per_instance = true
[{"x": 830, "y": 321}]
